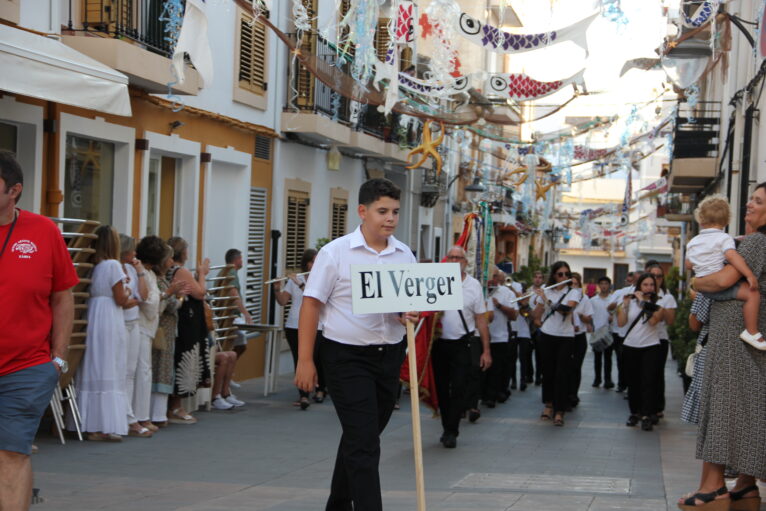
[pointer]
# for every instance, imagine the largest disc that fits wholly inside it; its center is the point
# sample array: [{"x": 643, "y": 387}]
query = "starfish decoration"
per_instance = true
[
  {"x": 542, "y": 189},
  {"x": 428, "y": 148},
  {"x": 522, "y": 172},
  {"x": 425, "y": 25}
]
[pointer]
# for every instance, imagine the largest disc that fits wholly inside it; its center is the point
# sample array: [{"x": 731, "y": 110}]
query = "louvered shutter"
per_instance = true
[
  {"x": 256, "y": 252},
  {"x": 382, "y": 38},
  {"x": 297, "y": 229},
  {"x": 350, "y": 49},
  {"x": 305, "y": 80},
  {"x": 339, "y": 216},
  {"x": 252, "y": 55}
]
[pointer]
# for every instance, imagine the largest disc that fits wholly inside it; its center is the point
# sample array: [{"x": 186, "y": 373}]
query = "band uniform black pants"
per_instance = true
[
  {"x": 451, "y": 361},
  {"x": 363, "y": 383},
  {"x": 665, "y": 344},
  {"x": 603, "y": 359},
  {"x": 622, "y": 381},
  {"x": 579, "y": 349},
  {"x": 538, "y": 364},
  {"x": 643, "y": 368},
  {"x": 495, "y": 379},
  {"x": 556, "y": 355},
  {"x": 292, "y": 340},
  {"x": 521, "y": 350}
]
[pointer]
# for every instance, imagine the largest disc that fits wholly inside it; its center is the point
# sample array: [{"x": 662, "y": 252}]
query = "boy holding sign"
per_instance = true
[{"x": 361, "y": 354}]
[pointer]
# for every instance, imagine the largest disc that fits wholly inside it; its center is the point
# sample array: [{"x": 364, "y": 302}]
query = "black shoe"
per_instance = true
[
  {"x": 596, "y": 383},
  {"x": 473, "y": 415},
  {"x": 503, "y": 397},
  {"x": 523, "y": 387},
  {"x": 575, "y": 401},
  {"x": 449, "y": 440},
  {"x": 620, "y": 389},
  {"x": 608, "y": 385},
  {"x": 646, "y": 424},
  {"x": 655, "y": 419},
  {"x": 538, "y": 382},
  {"x": 489, "y": 404},
  {"x": 513, "y": 385},
  {"x": 632, "y": 421},
  {"x": 530, "y": 380}
]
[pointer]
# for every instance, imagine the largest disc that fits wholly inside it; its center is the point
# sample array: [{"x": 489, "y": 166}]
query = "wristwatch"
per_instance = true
[{"x": 62, "y": 364}]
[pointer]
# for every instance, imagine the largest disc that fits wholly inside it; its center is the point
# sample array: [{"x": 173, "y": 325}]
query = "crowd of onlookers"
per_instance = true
[{"x": 148, "y": 339}]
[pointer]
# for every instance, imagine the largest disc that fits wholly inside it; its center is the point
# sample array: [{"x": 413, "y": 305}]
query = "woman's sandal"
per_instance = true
[
  {"x": 304, "y": 403},
  {"x": 179, "y": 416},
  {"x": 319, "y": 397},
  {"x": 151, "y": 427},
  {"x": 559, "y": 420},
  {"x": 709, "y": 501},
  {"x": 741, "y": 503},
  {"x": 103, "y": 437},
  {"x": 547, "y": 414},
  {"x": 140, "y": 432}
]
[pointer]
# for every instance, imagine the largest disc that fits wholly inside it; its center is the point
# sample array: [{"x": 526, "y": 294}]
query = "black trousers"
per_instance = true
[
  {"x": 494, "y": 381},
  {"x": 521, "y": 350},
  {"x": 292, "y": 340},
  {"x": 363, "y": 382},
  {"x": 474, "y": 374},
  {"x": 665, "y": 344},
  {"x": 451, "y": 361},
  {"x": 537, "y": 367},
  {"x": 643, "y": 367},
  {"x": 579, "y": 349},
  {"x": 603, "y": 359},
  {"x": 556, "y": 354},
  {"x": 622, "y": 381}
]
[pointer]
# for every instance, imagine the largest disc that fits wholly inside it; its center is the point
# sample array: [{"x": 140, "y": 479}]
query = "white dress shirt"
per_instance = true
[
  {"x": 557, "y": 324},
  {"x": 666, "y": 301},
  {"x": 643, "y": 334},
  {"x": 600, "y": 313},
  {"x": 498, "y": 328},
  {"x": 330, "y": 283},
  {"x": 473, "y": 303},
  {"x": 706, "y": 251},
  {"x": 296, "y": 299},
  {"x": 585, "y": 308},
  {"x": 617, "y": 297}
]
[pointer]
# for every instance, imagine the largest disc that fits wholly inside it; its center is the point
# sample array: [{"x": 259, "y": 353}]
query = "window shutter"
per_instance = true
[
  {"x": 345, "y": 6},
  {"x": 304, "y": 79},
  {"x": 297, "y": 229},
  {"x": 262, "y": 147},
  {"x": 339, "y": 216},
  {"x": 256, "y": 252},
  {"x": 252, "y": 55},
  {"x": 382, "y": 38}
]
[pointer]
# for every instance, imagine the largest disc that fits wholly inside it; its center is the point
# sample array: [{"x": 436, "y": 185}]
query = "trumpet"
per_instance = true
[
  {"x": 282, "y": 279},
  {"x": 544, "y": 288}
]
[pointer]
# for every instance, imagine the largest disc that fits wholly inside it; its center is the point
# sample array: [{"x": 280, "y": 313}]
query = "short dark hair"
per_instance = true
[
  {"x": 152, "y": 250},
  {"x": 232, "y": 254},
  {"x": 308, "y": 255},
  {"x": 374, "y": 189},
  {"x": 605, "y": 279},
  {"x": 650, "y": 263},
  {"x": 10, "y": 171}
]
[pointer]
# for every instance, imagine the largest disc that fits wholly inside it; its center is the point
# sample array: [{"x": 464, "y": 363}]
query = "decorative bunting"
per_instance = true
[
  {"x": 494, "y": 39},
  {"x": 405, "y": 23},
  {"x": 702, "y": 15}
]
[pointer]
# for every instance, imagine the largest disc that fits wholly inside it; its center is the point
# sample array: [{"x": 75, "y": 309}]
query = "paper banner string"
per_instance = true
[
  {"x": 441, "y": 15},
  {"x": 701, "y": 15},
  {"x": 172, "y": 16},
  {"x": 405, "y": 23},
  {"x": 495, "y": 39},
  {"x": 520, "y": 87}
]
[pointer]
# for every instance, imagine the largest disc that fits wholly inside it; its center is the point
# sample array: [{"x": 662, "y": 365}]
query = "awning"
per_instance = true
[{"x": 45, "y": 68}]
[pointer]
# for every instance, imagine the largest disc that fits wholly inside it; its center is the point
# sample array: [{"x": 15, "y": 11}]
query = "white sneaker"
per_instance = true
[
  {"x": 234, "y": 384},
  {"x": 220, "y": 403},
  {"x": 756, "y": 341},
  {"x": 232, "y": 400}
]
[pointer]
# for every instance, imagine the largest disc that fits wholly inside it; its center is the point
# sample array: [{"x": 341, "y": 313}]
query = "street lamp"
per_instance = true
[{"x": 474, "y": 189}]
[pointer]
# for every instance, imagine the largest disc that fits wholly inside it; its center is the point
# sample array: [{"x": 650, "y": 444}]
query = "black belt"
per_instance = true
[{"x": 370, "y": 348}]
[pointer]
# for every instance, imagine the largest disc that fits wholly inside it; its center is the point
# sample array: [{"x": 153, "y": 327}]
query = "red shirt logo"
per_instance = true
[{"x": 24, "y": 248}]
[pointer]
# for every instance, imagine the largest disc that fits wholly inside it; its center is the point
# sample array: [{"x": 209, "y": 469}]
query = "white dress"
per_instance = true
[{"x": 100, "y": 379}]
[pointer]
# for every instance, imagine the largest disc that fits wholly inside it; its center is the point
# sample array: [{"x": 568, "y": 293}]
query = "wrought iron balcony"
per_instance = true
[
  {"x": 697, "y": 130},
  {"x": 676, "y": 207}
]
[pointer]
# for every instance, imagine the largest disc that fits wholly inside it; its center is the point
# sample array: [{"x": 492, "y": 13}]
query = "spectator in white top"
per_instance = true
[
  {"x": 582, "y": 317},
  {"x": 602, "y": 325},
  {"x": 502, "y": 311},
  {"x": 293, "y": 294},
  {"x": 520, "y": 334},
  {"x": 669, "y": 305},
  {"x": 452, "y": 355},
  {"x": 553, "y": 314},
  {"x": 642, "y": 314},
  {"x": 361, "y": 354},
  {"x": 618, "y": 332},
  {"x": 517, "y": 351}
]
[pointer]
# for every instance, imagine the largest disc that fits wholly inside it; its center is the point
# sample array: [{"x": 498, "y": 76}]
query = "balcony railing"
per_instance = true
[
  {"x": 697, "y": 130},
  {"x": 676, "y": 208},
  {"x": 135, "y": 20}
]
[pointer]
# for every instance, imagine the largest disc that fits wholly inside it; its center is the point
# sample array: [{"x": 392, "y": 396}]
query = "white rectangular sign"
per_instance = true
[{"x": 382, "y": 288}]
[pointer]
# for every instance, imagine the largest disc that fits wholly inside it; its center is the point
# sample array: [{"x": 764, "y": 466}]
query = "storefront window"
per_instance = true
[
  {"x": 89, "y": 179},
  {"x": 8, "y": 136}
]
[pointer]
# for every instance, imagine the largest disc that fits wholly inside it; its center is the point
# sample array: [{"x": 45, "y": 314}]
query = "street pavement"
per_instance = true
[{"x": 269, "y": 455}]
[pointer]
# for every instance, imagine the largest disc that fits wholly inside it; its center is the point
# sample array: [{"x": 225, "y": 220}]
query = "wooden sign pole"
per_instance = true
[{"x": 417, "y": 444}]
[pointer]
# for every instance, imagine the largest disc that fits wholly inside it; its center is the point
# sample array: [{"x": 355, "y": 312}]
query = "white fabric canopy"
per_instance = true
[{"x": 45, "y": 68}]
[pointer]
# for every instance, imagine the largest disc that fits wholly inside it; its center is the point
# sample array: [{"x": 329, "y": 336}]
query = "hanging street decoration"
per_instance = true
[
  {"x": 495, "y": 39},
  {"x": 541, "y": 188},
  {"x": 701, "y": 15},
  {"x": 428, "y": 148},
  {"x": 520, "y": 87}
]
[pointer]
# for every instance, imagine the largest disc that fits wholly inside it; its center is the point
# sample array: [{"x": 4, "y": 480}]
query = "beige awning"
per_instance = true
[{"x": 45, "y": 68}]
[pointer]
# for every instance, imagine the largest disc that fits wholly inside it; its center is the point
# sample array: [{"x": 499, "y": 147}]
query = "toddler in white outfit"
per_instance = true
[{"x": 706, "y": 254}]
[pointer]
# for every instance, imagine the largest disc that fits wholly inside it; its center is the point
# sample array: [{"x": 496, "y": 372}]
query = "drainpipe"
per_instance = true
[
  {"x": 275, "y": 235},
  {"x": 744, "y": 182}
]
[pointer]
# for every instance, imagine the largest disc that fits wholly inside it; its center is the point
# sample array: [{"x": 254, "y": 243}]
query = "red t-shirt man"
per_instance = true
[{"x": 35, "y": 265}]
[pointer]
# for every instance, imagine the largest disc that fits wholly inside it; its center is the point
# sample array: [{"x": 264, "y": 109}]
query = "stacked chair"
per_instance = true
[{"x": 79, "y": 237}]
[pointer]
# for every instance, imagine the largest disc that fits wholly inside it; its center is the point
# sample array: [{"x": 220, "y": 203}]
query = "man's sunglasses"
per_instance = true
[{"x": 564, "y": 274}]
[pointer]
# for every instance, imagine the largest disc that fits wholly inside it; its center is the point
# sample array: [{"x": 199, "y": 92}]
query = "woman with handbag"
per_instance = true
[
  {"x": 553, "y": 314},
  {"x": 642, "y": 350}
]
